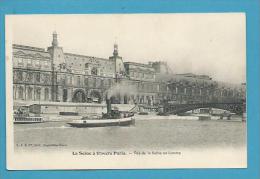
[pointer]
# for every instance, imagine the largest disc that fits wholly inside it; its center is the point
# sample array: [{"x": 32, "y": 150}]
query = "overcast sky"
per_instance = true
[{"x": 210, "y": 44}]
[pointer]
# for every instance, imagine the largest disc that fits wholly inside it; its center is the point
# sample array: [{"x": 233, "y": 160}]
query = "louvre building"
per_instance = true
[{"x": 53, "y": 75}]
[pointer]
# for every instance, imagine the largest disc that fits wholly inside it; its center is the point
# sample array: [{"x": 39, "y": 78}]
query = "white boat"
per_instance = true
[
  {"x": 102, "y": 122},
  {"x": 22, "y": 116},
  {"x": 27, "y": 119}
]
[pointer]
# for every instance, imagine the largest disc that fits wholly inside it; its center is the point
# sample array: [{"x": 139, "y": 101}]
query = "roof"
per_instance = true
[
  {"x": 138, "y": 64},
  {"x": 85, "y": 56},
  {"x": 34, "y": 52}
]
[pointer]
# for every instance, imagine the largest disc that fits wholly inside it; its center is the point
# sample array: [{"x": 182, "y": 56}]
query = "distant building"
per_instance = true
[{"x": 57, "y": 76}]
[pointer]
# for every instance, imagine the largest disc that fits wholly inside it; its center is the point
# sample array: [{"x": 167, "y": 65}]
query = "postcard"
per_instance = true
[{"x": 126, "y": 91}]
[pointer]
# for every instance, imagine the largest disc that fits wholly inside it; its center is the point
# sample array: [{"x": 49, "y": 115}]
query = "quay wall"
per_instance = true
[{"x": 56, "y": 108}]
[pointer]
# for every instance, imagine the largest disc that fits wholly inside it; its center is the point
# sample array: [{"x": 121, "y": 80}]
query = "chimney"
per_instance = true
[{"x": 108, "y": 101}]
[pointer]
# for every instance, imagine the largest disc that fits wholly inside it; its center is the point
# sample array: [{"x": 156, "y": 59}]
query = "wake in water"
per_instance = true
[{"x": 41, "y": 128}]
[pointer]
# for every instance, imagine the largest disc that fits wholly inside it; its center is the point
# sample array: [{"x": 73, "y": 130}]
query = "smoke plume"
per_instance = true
[{"x": 123, "y": 88}]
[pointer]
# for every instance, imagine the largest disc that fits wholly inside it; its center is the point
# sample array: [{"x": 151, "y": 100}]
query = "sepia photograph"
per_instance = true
[{"x": 126, "y": 91}]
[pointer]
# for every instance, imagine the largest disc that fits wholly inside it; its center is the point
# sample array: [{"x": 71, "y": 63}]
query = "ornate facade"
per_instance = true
[{"x": 53, "y": 75}]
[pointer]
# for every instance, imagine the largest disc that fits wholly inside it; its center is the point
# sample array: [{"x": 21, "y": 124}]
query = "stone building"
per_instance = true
[{"x": 53, "y": 75}]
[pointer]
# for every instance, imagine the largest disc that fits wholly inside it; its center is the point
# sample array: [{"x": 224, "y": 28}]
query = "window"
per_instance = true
[
  {"x": 19, "y": 75},
  {"x": 66, "y": 79},
  {"x": 62, "y": 79},
  {"x": 20, "y": 61},
  {"x": 38, "y": 94},
  {"x": 94, "y": 82},
  {"x": 109, "y": 82},
  {"x": 98, "y": 83},
  {"x": 86, "y": 65},
  {"x": 30, "y": 90},
  {"x": 46, "y": 94},
  {"x": 70, "y": 80},
  {"x": 37, "y": 77},
  {"x": 102, "y": 83},
  {"x": 46, "y": 78},
  {"x": 37, "y": 63},
  {"x": 94, "y": 71},
  {"x": 46, "y": 64},
  {"x": 65, "y": 95},
  {"x": 90, "y": 82},
  {"x": 101, "y": 72},
  {"x": 29, "y": 77},
  {"x": 78, "y": 80},
  {"x": 20, "y": 92},
  {"x": 29, "y": 62},
  {"x": 86, "y": 81}
]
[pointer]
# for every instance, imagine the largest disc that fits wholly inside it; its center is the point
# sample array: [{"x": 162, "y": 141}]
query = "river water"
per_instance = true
[{"x": 155, "y": 134}]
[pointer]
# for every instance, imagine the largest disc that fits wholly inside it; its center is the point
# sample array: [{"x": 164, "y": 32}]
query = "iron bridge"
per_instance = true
[{"x": 234, "y": 107}]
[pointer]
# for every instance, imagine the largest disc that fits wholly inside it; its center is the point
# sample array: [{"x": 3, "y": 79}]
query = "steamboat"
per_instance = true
[
  {"x": 111, "y": 118},
  {"x": 22, "y": 116}
]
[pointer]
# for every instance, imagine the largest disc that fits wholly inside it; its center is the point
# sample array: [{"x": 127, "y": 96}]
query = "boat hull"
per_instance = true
[
  {"x": 102, "y": 122},
  {"x": 26, "y": 122}
]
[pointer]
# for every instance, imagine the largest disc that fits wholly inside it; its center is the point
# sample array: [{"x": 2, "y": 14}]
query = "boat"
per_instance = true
[
  {"x": 27, "y": 119},
  {"x": 102, "y": 122},
  {"x": 111, "y": 118},
  {"x": 22, "y": 116}
]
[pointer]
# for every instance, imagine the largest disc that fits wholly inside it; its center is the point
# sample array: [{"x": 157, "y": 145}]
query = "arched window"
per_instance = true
[
  {"x": 86, "y": 65},
  {"x": 46, "y": 94}
]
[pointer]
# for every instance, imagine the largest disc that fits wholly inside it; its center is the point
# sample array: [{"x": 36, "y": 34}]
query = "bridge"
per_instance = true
[{"x": 234, "y": 107}]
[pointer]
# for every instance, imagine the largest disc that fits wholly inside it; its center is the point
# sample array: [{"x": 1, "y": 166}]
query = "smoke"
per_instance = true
[{"x": 123, "y": 88}]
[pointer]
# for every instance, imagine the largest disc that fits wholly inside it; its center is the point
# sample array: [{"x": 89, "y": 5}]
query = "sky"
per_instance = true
[{"x": 212, "y": 44}]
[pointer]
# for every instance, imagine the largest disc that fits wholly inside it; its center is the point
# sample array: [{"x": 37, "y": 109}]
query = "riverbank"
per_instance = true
[{"x": 150, "y": 116}]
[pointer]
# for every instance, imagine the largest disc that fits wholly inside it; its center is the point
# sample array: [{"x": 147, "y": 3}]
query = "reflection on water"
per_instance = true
[{"x": 146, "y": 134}]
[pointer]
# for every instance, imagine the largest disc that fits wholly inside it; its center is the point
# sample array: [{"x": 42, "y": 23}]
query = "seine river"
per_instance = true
[{"x": 146, "y": 134}]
